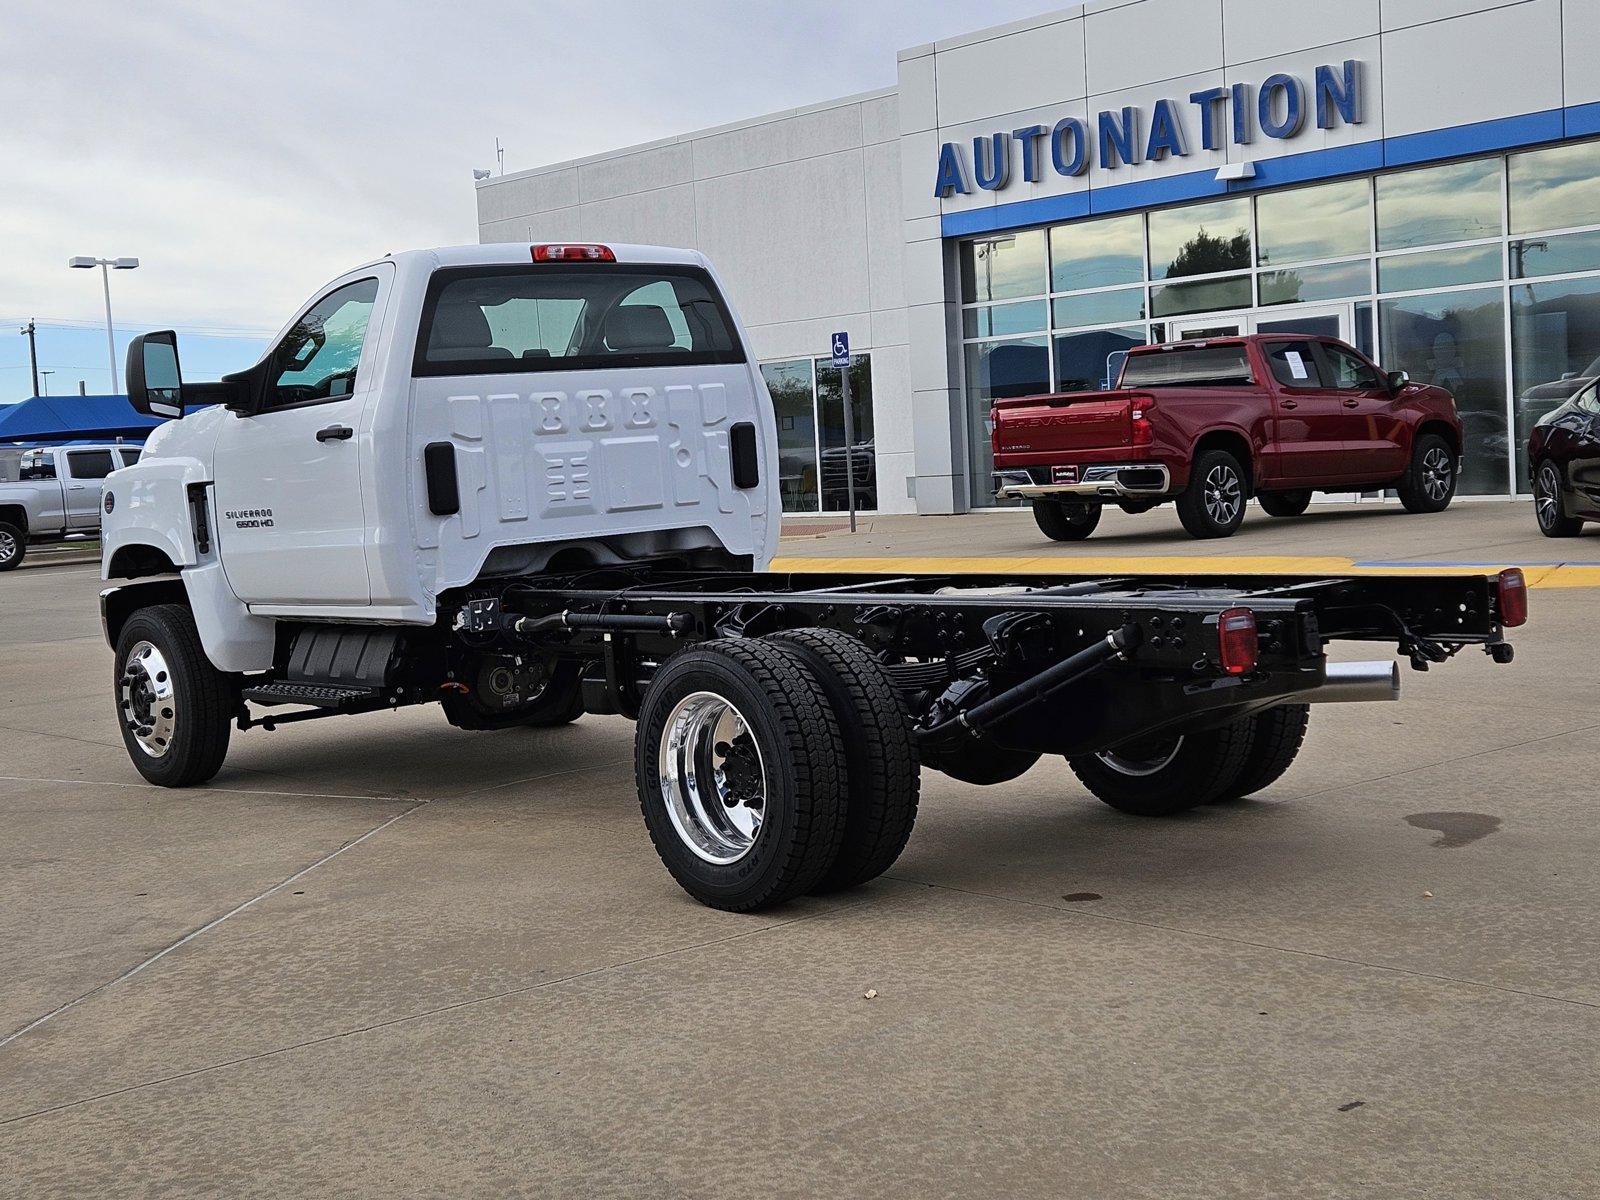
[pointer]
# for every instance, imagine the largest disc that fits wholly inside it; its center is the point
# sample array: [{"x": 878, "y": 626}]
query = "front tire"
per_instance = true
[
  {"x": 1212, "y": 506},
  {"x": 1163, "y": 776},
  {"x": 13, "y": 546},
  {"x": 741, "y": 768},
  {"x": 1066, "y": 520},
  {"x": 174, "y": 708},
  {"x": 1285, "y": 504},
  {"x": 1547, "y": 506},
  {"x": 1429, "y": 483},
  {"x": 883, "y": 777}
]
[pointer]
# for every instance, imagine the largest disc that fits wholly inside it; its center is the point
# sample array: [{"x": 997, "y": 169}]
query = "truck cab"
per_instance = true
[
  {"x": 440, "y": 418},
  {"x": 53, "y": 493}
]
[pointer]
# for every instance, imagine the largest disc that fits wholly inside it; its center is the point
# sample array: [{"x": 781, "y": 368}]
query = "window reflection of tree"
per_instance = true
[{"x": 1207, "y": 253}]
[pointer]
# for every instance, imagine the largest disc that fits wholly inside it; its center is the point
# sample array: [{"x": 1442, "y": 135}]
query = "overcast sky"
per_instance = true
[{"x": 248, "y": 152}]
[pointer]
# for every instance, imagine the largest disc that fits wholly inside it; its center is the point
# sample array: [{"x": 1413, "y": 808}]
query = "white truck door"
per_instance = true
[
  {"x": 288, "y": 476},
  {"x": 83, "y": 483}
]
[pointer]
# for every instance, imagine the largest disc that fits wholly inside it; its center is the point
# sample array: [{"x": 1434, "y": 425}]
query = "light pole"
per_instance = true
[
  {"x": 45, "y": 375},
  {"x": 106, "y": 265}
]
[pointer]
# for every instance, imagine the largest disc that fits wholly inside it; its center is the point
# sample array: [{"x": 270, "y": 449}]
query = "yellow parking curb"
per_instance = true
[{"x": 1539, "y": 575}]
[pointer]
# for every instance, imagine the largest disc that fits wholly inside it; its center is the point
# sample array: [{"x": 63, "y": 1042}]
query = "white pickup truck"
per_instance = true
[
  {"x": 529, "y": 482},
  {"x": 52, "y": 494}
]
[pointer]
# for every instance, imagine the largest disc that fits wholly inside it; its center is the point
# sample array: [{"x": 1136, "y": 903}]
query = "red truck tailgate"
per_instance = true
[{"x": 1045, "y": 425}]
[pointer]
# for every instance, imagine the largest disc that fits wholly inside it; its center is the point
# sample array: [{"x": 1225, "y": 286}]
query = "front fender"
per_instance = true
[{"x": 150, "y": 507}]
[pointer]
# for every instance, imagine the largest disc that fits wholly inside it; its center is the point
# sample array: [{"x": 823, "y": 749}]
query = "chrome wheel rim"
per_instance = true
[
  {"x": 1145, "y": 758},
  {"x": 1547, "y": 496},
  {"x": 8, "y": 546},
  {"x": 148, "y": 702},
  {"x": 1224, "y": 496},
  {"x": 712, "y": 778},
  {"x": 1436, "y": 473}
]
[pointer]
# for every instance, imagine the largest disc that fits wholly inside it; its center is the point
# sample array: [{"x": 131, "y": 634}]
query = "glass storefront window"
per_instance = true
[
  {"x": 1098, "y": 308},
  {"x": 1439, "y": 268},
  {"x": 1019, "y": 367},
  {"x": 1564, "y": 254},
  {"x": 790, "y": 386},
  {"x": 1555, "y": 350},
  {"x": 1088, "y": 362},
  {"x": 1206, "y": 295},
  {"x": 1333, "y": 281},
  {"x": 1454, "y": 203},
  {"x": 1091, "y": 254},
  {"x": 1200, "y": 239},
  {"x": 1330, "y": 221},
  {"x": 1027, "y": 316},
  {"x": 1456, "y": 340},
  {"x": 1003, "y": 268},
  {"x": 1555, "y": 188},
  {"x": 862, "y": 456}
]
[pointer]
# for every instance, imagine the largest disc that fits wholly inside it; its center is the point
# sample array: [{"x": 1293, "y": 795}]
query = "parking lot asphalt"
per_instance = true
[{"x": 380, "y": 956}]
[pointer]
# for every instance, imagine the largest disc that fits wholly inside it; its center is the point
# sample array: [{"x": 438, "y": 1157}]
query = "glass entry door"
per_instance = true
[{"x": 1321, "y": 320}]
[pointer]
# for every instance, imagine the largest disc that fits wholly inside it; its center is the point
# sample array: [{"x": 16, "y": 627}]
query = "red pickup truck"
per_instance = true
[{"x": 1209, "y": 424}]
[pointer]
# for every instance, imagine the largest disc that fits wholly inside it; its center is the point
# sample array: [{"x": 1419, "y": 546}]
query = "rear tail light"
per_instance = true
[
  {"x": 1511, "y": 594},
  {"x": 1144, "y": 433},
  {"x": 1237, "y": 646},
  {"x": 573, "y": 253}
]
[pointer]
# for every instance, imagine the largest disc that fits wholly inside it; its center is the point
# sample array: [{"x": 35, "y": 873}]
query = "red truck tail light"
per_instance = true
[
  {"x": 1144, "y": 433},
  {"x": 1511, "y": 595},
  {"x": 573, "y": 253},
  {"x": 1237, "y": 646}
]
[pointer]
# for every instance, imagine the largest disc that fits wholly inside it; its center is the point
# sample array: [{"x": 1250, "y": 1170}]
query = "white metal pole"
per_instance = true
[{"x": 111, "y": 341}]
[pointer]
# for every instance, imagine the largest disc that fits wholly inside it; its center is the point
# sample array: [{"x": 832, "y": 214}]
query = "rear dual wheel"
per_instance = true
[
  {"x": 769, "y": 769},
  {"x": 1066, "y": 520},
  {"x": 1163, "y": 776}
]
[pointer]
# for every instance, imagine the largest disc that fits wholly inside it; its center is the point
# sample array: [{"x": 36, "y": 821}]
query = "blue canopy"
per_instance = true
[{"x": 74, "y": 418}]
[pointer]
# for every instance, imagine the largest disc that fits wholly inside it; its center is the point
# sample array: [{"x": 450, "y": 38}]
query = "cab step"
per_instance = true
[{"x": 320, "y": 695}]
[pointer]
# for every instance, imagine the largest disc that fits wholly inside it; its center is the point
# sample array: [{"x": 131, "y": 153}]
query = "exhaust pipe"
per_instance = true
[{"x": 1357, "y": 682}]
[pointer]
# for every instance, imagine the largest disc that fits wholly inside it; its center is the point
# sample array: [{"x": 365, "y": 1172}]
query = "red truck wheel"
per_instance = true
[
  {"x": 1212, "y": 506},
  {"x": 1066, "y": 520},
  {"x": 1429, "y": 483},
  {"x": 1285, "y": 504}
]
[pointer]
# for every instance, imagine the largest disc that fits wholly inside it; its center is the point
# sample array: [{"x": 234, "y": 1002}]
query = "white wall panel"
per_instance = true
[
  {"x": 623, "y": 174},
  {"x": 1254, "y": 29},
  {"x": 919, "y": 106},
  {"x": 517, "y": 195},
  {"x": 803, "y": 136},
  {"x": 1580, "y": 33},
  {"x": 1457, "y": 71},
  {"x": 663, "y": 217},
  {"x": 1399, "y": 14},
  {"x": 886, "y": 248},
  {"x": 1002, "y": 75},
  {"x": 1157, "y": 39}
]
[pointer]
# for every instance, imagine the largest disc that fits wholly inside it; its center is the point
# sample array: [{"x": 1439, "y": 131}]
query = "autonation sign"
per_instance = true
[{"x": 1280, "y": 108}]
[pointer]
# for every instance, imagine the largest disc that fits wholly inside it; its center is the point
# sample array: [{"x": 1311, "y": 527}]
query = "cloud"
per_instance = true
[{"x": 247, "y": 153}]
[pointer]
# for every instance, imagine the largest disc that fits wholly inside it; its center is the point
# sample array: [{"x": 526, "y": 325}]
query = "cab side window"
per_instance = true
[
  {"x": 1347, "y": 373},
  {"x": 318, "y": 357},
  {"x": 90, "y": 464},
  {"x": 39, "y": 464},
  {"x": 1293, "y": 364}
]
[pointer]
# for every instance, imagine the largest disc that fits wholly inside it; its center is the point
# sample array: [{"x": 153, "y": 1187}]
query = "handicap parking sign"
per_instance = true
[{"x": 841, "y": 349}]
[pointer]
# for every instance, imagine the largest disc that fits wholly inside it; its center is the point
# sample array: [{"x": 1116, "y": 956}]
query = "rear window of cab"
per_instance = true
[
  {"x": 503, "y": 320},
  {"x": 1188, "y": 366}
]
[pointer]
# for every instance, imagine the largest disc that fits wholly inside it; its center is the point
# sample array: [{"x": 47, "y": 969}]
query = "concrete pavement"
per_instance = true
[{"x": 380, "y": 956}]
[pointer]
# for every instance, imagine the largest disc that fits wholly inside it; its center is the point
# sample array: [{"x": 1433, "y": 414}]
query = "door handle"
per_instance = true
[
  {"x": 77, "y": 487},
  {"x": 335, "y": 433},
  {"x": 1290, "y": 403},
  {"x": 1352, "y": 404}
]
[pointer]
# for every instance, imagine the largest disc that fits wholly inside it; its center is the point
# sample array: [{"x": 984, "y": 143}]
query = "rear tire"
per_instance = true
[
  {"x": 740, "y": 768},
  {"x": 13, "y": 546},
  {"x": 174, "y": 708},
  {"x": 883, "y": 778},
  {"x": 1066, "y": 520},
  {"x": 1285, "y": 504},
  {"x": 1552, "y": 518},
  {"x": 1161, "y": 777},
  {"x": 1276, "y": 738},
  {"x": 1212, "y": 506},
  {"x": 1429, "y": 483}
]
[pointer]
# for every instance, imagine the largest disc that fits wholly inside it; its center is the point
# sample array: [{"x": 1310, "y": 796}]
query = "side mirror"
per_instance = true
[
  {"x": 155, "y": 382},
  {"x": 1398, "y": 381}
]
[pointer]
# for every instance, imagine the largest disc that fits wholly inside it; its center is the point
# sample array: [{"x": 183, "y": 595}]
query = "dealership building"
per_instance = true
[{"x": 1420, "y": 177}]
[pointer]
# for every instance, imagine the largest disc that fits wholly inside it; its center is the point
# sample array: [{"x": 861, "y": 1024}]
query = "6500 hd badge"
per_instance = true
[{"x": 250, "y": 518}]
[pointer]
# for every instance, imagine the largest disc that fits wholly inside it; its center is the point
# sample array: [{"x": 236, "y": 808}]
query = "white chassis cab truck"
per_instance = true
[{"x": 532, "y": 482}]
